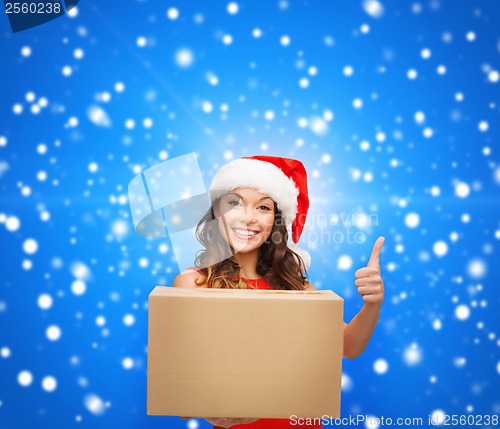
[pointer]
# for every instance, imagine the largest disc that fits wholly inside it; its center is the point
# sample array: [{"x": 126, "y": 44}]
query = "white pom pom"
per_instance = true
[{"x": 304, "y": 255}]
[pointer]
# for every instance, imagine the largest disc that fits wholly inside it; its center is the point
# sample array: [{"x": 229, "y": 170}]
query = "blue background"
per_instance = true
[{"x": 436, "y": 348}]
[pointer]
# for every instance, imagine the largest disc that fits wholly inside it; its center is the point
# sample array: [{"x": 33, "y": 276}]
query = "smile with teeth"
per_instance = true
[{"x": 245, "y": 232}]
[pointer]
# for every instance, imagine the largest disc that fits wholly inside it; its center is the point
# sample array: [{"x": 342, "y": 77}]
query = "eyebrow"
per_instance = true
[{"x": 238, "y": 195}]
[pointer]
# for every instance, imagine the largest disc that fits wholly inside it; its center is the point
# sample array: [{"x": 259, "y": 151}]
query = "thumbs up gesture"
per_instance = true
[{"x": 368, "y": 281}]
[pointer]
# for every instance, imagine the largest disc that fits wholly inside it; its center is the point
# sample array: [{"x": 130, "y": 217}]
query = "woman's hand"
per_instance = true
[
  {"x": 228, "y": 422},
  {"x": 224, "y": 422},
  {"x": 368, "y": 281}
]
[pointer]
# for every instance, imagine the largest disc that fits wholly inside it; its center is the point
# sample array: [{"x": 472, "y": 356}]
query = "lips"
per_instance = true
[{"x": 244, "y": 234}]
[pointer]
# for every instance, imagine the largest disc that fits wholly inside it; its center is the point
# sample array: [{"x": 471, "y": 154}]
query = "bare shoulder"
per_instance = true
[
  {"x": 309, "y": 286},
  {"x": 187, "y": 279}
]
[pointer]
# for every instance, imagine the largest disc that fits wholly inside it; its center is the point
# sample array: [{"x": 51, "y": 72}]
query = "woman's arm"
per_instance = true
[
  {"x": 371, "y": 288},
  {"x": 358, "y": 332},
  {"x": 187, "y": 279}
]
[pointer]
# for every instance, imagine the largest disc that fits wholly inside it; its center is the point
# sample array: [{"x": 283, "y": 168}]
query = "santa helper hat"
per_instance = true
[{"x": 283, "y": 179}]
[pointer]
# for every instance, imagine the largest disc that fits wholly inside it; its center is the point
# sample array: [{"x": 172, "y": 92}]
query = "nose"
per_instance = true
[{"x": 249, "y": 215}]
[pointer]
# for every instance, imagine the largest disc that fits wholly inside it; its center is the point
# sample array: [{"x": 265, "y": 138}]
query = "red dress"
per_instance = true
[{"x": 266, "y": 423}]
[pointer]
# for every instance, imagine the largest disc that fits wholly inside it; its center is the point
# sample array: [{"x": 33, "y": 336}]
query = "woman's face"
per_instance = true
[{"x": 246, "y": 218}]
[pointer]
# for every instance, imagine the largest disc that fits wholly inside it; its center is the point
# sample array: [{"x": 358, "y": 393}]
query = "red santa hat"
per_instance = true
[{"x": 283, "y": 179}]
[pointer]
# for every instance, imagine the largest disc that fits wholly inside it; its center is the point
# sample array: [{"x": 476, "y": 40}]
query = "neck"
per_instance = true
[{"x": 248, "y": 264}]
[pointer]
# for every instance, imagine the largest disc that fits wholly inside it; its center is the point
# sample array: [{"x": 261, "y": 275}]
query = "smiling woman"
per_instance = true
[
  {"x": 254, "y": 201},
  {"x": 244, "y": 233}
]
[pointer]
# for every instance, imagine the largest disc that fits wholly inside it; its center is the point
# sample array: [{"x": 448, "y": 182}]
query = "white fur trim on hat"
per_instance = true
[
  {"x": 304, "y": 254},
  {"x": 262, "y": 176}
]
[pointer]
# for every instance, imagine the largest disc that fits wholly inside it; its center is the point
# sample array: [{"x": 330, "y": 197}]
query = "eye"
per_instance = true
[
  {"x": 265, "y": 208},
  {"x": 234, "y": 203}
]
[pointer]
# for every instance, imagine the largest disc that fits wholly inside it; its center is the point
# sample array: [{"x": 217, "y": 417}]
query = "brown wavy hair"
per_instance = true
[{"x": 282, "y": 268}]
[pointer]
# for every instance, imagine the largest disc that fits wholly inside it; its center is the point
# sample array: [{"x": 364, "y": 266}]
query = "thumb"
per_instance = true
[{"x": 375, "y": 256}]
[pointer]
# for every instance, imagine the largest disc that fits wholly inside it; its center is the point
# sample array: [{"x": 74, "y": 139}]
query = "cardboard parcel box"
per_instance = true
[{"x": 244, "y": 353}]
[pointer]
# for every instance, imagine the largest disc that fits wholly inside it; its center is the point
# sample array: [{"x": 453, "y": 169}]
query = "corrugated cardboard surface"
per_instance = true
[{"x": 244, "y": 353}]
